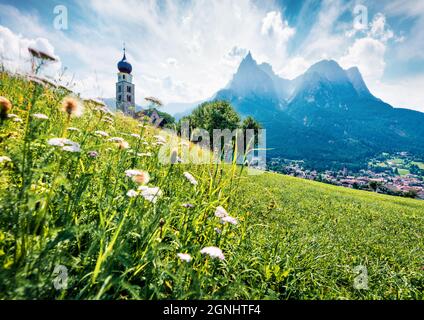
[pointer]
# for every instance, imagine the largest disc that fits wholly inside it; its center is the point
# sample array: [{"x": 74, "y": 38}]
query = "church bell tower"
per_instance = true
[{"x": 125, "y": 89}]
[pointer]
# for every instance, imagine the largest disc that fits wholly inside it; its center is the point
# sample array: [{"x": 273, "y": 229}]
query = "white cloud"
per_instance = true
[
  {"x": 379, "y": 28},
  {"x": 401, "y": 93},
  {"x": 15, "y": 56},
  {"x": 276, "y": 28},
  {"x": 294, "y": 67},
  {"x": 368, "y": 55}
]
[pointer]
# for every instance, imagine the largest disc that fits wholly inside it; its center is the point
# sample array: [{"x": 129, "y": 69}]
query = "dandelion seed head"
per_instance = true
[
  {"x": 123, "y": 145},
  {"x": 142, "y": 178},
  {"x": 213, "y": 252},
  {"x": 72, "y": 107},
  {"x": 5, "y": 107}
]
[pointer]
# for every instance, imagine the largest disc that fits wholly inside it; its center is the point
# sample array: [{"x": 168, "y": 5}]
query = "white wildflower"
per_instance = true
[
  {"x": 131, "y": 173},
  {"x": 220, "y": 212},
  {"x": 17, "y": 119},
  {"x": 101, "y": 133},
  {"x": 213, "y": 252},
  {"x": 150, "y": 194},
  {"x": 146, "y": 154},
  {"x": 160, "y": 139},
  {"x": 40, "y": 116},
  {"x": 116, "y": 139},
  {"x": 135, "y": 135},
  {"x": 66, "y": 144},
  {"x": 229, "y": 219},
  {"x": 184, "y": 257},
  {"x": 190, "y": 178},
  {"x": 5, "y": 159},
  {"x": 74, "y": 129},
  {"x": 72, "y": 148},
  {"x": 132, "y": 193},
  {"x": 57, "y": 142}
]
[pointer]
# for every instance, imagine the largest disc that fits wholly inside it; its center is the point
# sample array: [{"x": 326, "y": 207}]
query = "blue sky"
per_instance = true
[{"x": 185, "y": 51}]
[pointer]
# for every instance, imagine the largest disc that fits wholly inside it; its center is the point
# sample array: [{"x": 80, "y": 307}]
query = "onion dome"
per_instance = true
[{"x": 124, "y": 66}]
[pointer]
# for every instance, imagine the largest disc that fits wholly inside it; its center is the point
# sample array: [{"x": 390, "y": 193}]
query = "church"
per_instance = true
[
  {"x": 125, "y": 95},
  {"x": 125, "y": 89}
]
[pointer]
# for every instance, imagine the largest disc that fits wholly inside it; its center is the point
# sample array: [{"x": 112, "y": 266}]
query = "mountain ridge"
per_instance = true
[{"x": 327, "y": 115}]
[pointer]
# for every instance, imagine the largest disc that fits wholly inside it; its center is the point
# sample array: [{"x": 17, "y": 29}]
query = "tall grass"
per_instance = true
[
  {"x": 72, "y": 208},
  {"x": 295, "y": 239}
]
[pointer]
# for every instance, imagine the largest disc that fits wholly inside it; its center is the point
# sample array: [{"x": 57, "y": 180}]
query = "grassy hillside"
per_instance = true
[{"x": 77, "y": 207}]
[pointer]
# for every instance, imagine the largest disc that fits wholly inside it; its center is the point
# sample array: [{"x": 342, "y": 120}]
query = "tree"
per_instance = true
[
  {"x": 250, "y": 123},
  {"x": 214, "y": 115}
]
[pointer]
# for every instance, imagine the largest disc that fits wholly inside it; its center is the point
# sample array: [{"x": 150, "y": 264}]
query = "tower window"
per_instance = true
[
  {"x": 129, "y": 98},
  {"x": 123, "y": 77},
  {"x": 119, "y": 89},
  {"x": 119, "y": 98},
  {"x": 129, "y": 89}
]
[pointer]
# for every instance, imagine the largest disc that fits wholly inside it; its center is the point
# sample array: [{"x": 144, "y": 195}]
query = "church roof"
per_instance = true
[{"x": 124, "y": 66}]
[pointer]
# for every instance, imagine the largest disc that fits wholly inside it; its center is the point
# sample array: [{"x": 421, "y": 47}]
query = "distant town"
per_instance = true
[{"x": 394, "y": 174}]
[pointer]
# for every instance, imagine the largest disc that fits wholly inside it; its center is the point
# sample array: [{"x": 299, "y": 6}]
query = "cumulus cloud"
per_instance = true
[
  {"x": 15, "y": 56},
  {"x": 368, "y": 55}
]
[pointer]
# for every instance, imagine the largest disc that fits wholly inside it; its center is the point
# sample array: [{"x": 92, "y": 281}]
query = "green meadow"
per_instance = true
[{"x": 87, "y": 211}]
